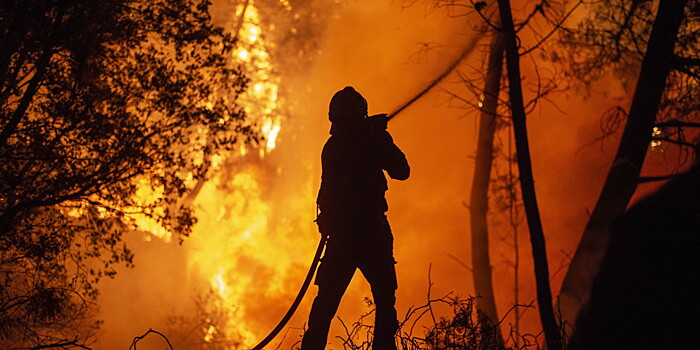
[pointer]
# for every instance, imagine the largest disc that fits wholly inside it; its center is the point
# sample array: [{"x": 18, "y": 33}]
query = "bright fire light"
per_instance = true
[
  {"x": 656, "y": 144},
  {"x": 230, "y": 245}
]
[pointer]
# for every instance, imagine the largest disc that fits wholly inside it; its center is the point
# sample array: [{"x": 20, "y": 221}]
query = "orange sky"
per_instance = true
[{"x": 372, "y": 46}]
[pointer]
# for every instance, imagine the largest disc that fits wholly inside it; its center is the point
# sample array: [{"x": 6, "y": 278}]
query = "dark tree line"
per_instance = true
[
  {"x": 653, "y": 45},
  {"x": 644, "y": 288},
  {"x": 107, "y": 112}
]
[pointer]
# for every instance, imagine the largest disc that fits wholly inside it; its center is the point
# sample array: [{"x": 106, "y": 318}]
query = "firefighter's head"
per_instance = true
[{"x": 347, "y": 105}]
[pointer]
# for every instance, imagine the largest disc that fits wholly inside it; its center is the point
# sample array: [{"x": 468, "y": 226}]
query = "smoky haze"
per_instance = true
[{"x": 255, "y": 238}]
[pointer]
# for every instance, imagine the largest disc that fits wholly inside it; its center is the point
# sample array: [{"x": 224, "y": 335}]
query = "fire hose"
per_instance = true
[
  {"x": 324, "y": 238},
  {"x": 300, "y": 295}
]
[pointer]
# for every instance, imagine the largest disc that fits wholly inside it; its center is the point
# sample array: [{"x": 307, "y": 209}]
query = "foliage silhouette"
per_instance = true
[
  {"x": 107, "y": 112},
  {"x": 462, "y": 329}
]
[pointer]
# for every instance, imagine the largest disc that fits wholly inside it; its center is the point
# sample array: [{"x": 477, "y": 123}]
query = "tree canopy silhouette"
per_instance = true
[{"x": 108, "y": 112}]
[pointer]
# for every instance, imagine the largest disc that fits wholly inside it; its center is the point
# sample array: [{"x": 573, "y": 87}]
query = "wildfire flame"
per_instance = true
[{"x": 230, "y": 246}]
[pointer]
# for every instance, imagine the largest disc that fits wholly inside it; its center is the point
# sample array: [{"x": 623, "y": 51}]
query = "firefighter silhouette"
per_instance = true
[{"x": 352, "y": 213}]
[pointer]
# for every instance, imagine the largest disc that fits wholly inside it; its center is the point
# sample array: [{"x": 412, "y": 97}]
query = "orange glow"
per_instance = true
[
  {"x": 255, "y": 237},
  {"x": 656, "y": 144},
  {"x": 230, "y": 246}
]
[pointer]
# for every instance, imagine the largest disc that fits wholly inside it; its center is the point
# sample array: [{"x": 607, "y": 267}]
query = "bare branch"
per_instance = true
[
  {"x": 685, "y": 61},
  {"x": 556, "y": 27},
  {"x": 677, "y": 124},
  {"x": 150, "y": 330},
  {"x": 481, "y": 14},
  {"x": 61, "y": 344},
  {"x": 539, "y": 8},
  {"x": 646, "y": 179},
  {"x": 676, "y": 142}
]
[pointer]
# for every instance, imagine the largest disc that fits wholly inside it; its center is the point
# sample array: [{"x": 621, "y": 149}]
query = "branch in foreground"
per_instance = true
[
  {"x": 463, "y": 329},
  {"x": 150, "y": 330},
  {"x": 646, "y": 179},
  {"x": 62, "y": 345},
  {"x": 677, "y": 124}
]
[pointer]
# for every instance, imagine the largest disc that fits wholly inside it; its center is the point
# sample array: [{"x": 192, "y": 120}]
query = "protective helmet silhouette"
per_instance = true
[{"x": 347, "y": 104}]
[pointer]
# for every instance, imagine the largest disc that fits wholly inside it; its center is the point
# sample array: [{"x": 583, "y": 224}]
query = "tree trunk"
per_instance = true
[
  {"x": 527, "y": 183},
  {"x": 623, "y": 176},
  {"x": 478, "y": 201}
]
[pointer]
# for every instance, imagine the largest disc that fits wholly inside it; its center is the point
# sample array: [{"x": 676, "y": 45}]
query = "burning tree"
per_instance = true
[{"x": 108, "y": 110}]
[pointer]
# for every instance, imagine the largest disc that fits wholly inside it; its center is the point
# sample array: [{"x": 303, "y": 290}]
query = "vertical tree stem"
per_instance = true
[
  {"x": 527, "y": 183},
  {"x": 478, "y": 202}
]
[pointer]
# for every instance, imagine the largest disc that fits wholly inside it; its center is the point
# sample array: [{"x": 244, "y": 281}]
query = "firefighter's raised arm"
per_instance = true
[{"x": 392, "y": 158}]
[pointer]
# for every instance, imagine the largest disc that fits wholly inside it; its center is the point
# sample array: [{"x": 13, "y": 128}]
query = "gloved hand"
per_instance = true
[{"x": 376, "y": 123}]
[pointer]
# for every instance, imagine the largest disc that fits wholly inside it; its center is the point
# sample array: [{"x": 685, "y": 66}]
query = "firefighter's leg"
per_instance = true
[
  {"x": 333, "y": 278},
  {"x": 383, "y": 285},
  {"x": 379, "y": 270}
]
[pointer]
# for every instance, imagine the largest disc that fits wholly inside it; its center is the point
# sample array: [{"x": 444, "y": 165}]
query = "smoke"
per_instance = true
[
  {"x": 380, "y": 50},
  {"x": 255, "y": 239}
]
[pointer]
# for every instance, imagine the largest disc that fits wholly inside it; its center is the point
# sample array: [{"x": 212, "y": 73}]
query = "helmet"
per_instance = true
[{"x": 347, "y": 104}]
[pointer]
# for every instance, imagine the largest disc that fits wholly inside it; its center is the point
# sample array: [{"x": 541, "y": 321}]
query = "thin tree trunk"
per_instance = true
[
  {"x": 478, "y": 201},
  {"x": 514, "y": 223},
  {"x": 623, "y": 176},
  {"x": 527, "y": 184}
]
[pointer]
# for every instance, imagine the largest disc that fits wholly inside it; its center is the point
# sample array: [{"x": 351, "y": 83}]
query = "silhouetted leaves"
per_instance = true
[
  {"x": 614, "y": 40},
  {"x": 107, "y": 110}
]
